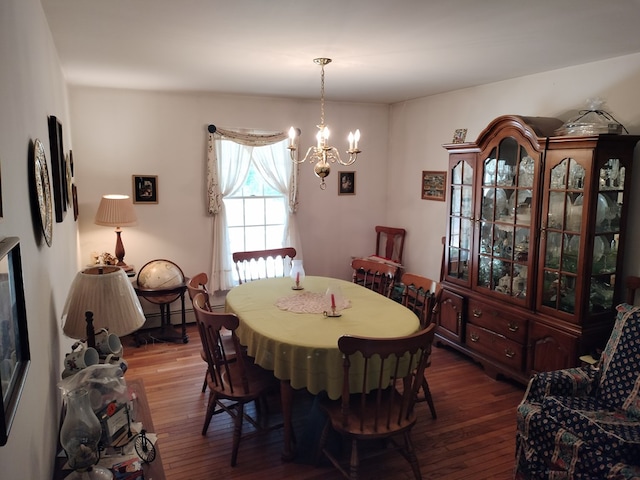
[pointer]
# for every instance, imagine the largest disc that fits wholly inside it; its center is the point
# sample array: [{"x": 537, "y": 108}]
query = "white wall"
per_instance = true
[
  {"x": 419, "y": 127},
  {"x": 119, "y": 133},
  {"x": 31, "y": 89}
]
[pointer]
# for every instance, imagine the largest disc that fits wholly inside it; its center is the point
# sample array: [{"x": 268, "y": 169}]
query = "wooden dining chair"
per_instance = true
[
  {"x": 390, "y": 243},
  {"x": 239, "y": 381},
  {"x": 257, "y": 264},
  {"x": 383, "y": 412},
  {"x": 198, "y": 284},
  {"x": 376, "y": 276},
  {"x": 421, "y": 295}
]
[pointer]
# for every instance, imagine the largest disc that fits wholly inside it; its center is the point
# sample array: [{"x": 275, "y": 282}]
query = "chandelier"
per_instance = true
[{"x": 323, "y": 153}]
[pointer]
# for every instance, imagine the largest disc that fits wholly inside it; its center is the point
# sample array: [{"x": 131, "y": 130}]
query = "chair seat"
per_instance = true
[
  {"x": 362, "y": 421},
  {"x": 572, "y": 434},
  {"x": 585, "y": 419},
  {"x": 259, "y": 382}
]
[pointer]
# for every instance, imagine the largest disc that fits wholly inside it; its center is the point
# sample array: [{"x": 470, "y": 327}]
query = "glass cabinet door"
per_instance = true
[
  {"x": 506, "y": 202},
  {"x": 460, "y": 221},
  {"x": 575, "y": 255},
  {"x": 563, "y": 236},
  {"x": 607, "y": 235}
]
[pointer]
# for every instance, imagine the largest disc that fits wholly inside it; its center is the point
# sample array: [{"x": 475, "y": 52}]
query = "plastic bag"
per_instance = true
[{"x": 104, "y": 382}]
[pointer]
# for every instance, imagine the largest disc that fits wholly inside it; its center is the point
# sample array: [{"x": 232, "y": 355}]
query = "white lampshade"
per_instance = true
[
  {"x": 106, "y": 291},
  {"x": 116, "y": 211}
]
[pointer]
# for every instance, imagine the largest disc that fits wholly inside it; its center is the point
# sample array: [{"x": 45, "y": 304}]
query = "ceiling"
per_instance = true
[{"x": 383, "y": 51}]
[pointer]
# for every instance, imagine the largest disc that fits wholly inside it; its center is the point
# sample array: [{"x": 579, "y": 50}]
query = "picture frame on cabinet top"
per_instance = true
[{"x": 459, "y": 135}]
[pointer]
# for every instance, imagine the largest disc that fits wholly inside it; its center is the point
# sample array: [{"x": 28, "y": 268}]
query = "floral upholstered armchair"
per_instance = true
[{"x": 584, "y": 423}]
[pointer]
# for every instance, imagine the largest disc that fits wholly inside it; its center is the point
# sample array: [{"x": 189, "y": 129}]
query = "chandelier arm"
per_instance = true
[
  {"x": 312, "y": 155},
  {"x": 352, "y": 158}
]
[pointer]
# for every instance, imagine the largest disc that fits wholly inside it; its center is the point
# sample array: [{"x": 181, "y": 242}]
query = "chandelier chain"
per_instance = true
[{"x": 322, "y": 95}]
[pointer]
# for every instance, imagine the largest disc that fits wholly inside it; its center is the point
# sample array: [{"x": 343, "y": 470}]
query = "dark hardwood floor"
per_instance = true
[{"x": 473, "y": 437}]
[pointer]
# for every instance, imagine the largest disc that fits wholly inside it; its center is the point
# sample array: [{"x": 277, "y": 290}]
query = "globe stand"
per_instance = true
[{"x": 162, "y": 282}]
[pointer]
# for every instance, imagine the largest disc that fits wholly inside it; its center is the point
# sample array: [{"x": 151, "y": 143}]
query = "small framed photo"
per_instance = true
[
  {"x": 433, "y": 185},
  {"x": 459, "y": 135},
  {"x": 346, "y": 183},
  {"x": 145, "y": 189}
]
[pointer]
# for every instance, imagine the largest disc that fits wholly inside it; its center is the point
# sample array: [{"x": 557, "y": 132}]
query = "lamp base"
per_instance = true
[
  {"x": 96, "y": 473},
  {"x": 124, "y": 266}
]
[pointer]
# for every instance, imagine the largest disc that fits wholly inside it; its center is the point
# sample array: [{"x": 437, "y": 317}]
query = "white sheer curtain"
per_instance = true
[{"x": 226, "y": 173}]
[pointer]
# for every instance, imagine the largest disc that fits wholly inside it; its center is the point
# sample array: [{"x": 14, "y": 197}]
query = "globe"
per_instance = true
[{"x": 160, "y": 275}]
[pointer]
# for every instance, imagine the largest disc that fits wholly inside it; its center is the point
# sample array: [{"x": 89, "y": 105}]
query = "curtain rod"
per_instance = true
[{"x": 212, "y": 128}]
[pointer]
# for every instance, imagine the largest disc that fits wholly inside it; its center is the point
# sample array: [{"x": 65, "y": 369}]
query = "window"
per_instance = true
[
  {"x": 255, "y": 215},
  {"x": 252, "y": 195}
]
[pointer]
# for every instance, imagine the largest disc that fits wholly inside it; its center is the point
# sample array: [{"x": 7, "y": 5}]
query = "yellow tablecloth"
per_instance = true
[{"x": 302, "y": 347}]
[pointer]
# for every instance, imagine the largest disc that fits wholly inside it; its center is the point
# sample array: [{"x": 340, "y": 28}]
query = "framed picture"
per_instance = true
[
  {"x": 1, "y": 214},
  {"x": 58, "y": 169},
  {"x": 433, "y": 185},
  {"x": 459, "y": 135},
  {"x": 346, "y": 183},
  {"x": 74, "y": 199},
  {"x": 145, "y": 189},
  {"x": 15, "y": 356}
]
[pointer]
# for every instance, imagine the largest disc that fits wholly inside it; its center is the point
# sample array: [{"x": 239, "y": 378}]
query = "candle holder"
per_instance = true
[
  {"x": 331, "y": 313},
  {"x": 334, "y": 301},
  {"x": 297, "y": 275}
]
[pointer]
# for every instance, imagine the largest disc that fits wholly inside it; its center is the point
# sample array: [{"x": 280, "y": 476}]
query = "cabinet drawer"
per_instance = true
[
  {"x": 495, "y": 346},
  {"x": 499, "y": 321}
]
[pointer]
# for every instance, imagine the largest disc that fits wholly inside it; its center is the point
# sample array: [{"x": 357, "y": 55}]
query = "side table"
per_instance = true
[{"x": 153, "y": 470}]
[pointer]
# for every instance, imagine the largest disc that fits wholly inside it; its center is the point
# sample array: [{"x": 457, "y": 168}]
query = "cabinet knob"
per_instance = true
[
  {"x": 477, "y": 313},
  {"x": 474, "y": 337},
  {"x": 509, "y": 353},
  {"x": 513, "y": 327}
]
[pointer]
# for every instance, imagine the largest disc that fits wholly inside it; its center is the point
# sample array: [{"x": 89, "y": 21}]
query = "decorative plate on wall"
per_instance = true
[{"x": 43, "y": 190}]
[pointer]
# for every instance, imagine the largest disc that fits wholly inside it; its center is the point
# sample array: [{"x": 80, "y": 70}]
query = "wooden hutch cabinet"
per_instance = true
[{"x": 534, "y": 244}]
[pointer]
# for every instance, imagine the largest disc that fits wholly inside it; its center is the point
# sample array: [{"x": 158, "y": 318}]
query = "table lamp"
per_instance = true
[
  {"x": 101, "y": 297},
  {"x": 117, "y": 211}
]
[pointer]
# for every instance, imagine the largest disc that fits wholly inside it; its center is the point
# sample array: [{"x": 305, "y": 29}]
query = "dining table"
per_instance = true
[{"x": 292, "y": 332}]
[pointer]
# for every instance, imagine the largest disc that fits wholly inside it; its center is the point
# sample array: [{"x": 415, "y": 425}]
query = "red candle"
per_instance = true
[
  {"x": 297, "y": 278},
  {"x": 333, "y": 302}
]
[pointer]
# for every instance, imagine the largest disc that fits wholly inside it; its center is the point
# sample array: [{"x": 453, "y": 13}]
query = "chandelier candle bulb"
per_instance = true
[{"x": 292, "y": 137}]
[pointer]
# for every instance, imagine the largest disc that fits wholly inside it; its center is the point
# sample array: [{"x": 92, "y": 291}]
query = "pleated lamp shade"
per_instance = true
[
  {"x": 116, "y": 211},
  {"x": 106, "y": 291}
]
